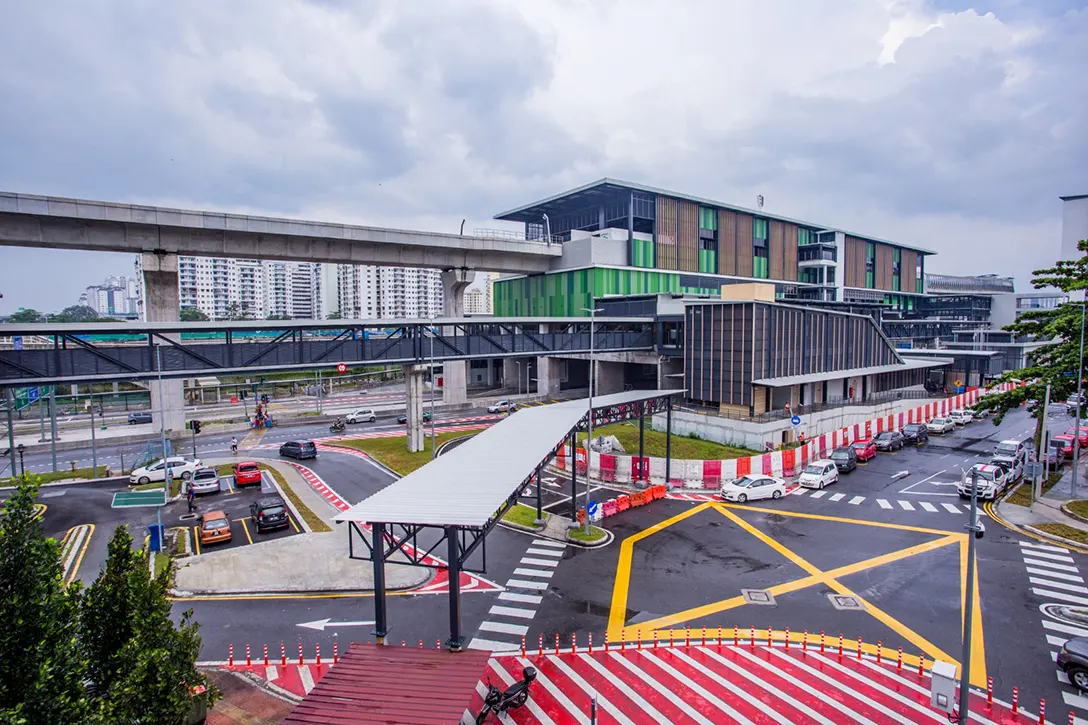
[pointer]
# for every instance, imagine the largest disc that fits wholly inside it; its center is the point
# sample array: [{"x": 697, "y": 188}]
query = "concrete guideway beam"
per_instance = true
[
  {"x": 455, "y": 373},
  {"x": 162, "y": 304}
]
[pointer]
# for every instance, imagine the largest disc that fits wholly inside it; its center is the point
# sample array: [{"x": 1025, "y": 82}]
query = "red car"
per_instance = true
[
  {"x": 865, "y": 449},
  {"x": 247, "y": 473},
  {"x": 1065, "y": 441},
  {"x": 1083, "y": 434}
]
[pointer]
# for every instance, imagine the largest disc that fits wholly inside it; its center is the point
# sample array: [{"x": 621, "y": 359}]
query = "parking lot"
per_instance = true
[{"x": 235, "y": 502}]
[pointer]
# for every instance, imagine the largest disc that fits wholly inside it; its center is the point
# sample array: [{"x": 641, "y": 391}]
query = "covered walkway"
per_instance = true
[{"x": 462, "y": 495}]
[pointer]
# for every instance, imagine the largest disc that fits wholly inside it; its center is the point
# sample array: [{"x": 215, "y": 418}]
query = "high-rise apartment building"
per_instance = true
[
  {"x": 476, "y": 302},
  {"x": 116, "y": 297}
]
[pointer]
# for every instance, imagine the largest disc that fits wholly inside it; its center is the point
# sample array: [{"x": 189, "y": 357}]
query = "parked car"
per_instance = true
[
  {"x": 1073, "y": 661},
  {"x": 361, "y": 415},
  {"x": 1056, "y": 456},
  {"x": 845, "y": 458},
  {"x": 1072, "y": 402},
  {"x": 403, "y": 419},
  {"x": 247, "y": 473},
  {"x": 269, "y": 513},
  {"x": 1012, "y": 448},
  {"x": 205, "y": 480},
  {"x": 960, "y": 417},
  {"x": 915, "y": 433},
  {"x": 819, "y": 473},
  {"x": 980, "y": 413},
  {"x": 503, "y": 406},
  {"x": 1064, "y": 443},
  {"x": 299, "y": 450},
  {"x": 991, "y": 481},
  {"x": 140, "y": 416},
  {"x": 889, "y": 440},
  {"x": 183, "y": 468},
  {"x": 1083, "y": 435},
  {"x": 751, "y": 487},
  {"x": 865, "y": 449},
  {"x": 941, "y": 425},
  {"x": 1013, "y": 466},
  {"x": 214, "y": 528}
]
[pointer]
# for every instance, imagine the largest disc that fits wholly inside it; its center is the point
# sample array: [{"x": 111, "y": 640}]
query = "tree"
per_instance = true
[
  {"x": 193, "y": 314},
  {"x": 25, "y": 314},
  {"x": 142, "y": 665},
  {"x": 1050, "y": 363},
  {"x": 41, "y": 669},
  {"x": 334, "y": 316},
  {"x": 78, "y": 313}
]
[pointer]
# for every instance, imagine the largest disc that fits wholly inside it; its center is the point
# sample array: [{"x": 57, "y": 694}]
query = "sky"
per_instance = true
[{"x": 947, "y": 124}]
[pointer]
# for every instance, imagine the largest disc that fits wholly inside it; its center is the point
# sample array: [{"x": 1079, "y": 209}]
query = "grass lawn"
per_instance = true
[
  {"x": 1022, "y": 495},
  {"x": 161, "y": 560},
  {"x": 522, "y": 514},
  {"x": 1080, "y": 508},
  {"x": 1064, "y": 531},
  {"x": 175, "y": 486},
  {"x": 393, "y": 452},
  {"x": 595, "y": 534},
  {"x": 79, "y": 473},
  {"x": 682, "y": 447}
]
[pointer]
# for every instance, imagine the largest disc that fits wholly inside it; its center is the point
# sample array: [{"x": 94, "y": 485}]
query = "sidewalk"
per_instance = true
[{"x": 1048, "y": 508}]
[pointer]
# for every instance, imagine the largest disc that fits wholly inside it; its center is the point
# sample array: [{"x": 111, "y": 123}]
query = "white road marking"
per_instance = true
[
  {"x": 504, "y": 628},
  {"x": 530, "y": 705},
  {"x": 906, "y": 505},
  {"x": 1058, "y": 585},
  {"x": 663, "y": 690},
  {"x": 539, "y": 562},
  {"x": 883, "y": 503},
  {"x": 856, "y": 500},
  {"x": 549, "y": 542},
  {"x": 544, "y": 552},
  {"x": 1060, "y": 596},
  {"x": 522, "y": 584},
  {"x": 306, "y": 677},
  {"x": 1043, "y": 547},
  {"x": 1075, "y": 700},
  {"x": 1056, "y": 641},
  {"x": 512, "y": 612},
  {"x": 1055, "y": 575},
  {"x": 608, "y": 676},
  {"x": 1065, "y": 628},
  {"x": 1052, "y": 557},
  {"x": 837, "y": 497},
  {"x": 950, "y": 508},
  {"x": 542, "y": 573},
  {"x": 589, "y": 690},
  {"x": 799, "y": 491},
  {"x": 491, "y": 645},
  {"x": 818, "y": 494},
  {"x": 706, "y": 694},
  {"x": 927, "y": 478},
  {"x": 1050, "y": 564},
  {"x": 928, "y": 507},
  {"x": 525, "y": 598}
]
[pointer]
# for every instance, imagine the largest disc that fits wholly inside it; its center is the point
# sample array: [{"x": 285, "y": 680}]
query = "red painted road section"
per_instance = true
[{"x": 697, "y": 684}]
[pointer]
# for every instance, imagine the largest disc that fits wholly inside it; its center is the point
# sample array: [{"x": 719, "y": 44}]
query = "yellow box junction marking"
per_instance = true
[{"x": 651, "y": 628}]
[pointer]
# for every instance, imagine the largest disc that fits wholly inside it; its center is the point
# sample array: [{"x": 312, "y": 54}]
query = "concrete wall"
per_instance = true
[
  {"x": 548, "y": 376},
  {"x": 609, "y": 378}
]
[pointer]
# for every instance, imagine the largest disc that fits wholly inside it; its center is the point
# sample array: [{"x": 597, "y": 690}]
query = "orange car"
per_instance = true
[
  {"x": 246, "y": 473},
  {"x": 214, "y": 528}
]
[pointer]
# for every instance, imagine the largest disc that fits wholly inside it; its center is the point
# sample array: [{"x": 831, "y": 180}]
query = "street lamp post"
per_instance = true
[
  {"x": 433, "y": 454},
  {"x": 1080, "y": 390},
  {"x": 974, "y": 531},
  {"x": 589, "y": 430}
]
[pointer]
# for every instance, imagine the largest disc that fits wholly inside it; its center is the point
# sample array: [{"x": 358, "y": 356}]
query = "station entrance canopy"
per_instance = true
[{"x": 463, "y": 494}]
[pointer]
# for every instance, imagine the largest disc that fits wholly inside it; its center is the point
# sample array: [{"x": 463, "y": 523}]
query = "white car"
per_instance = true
[
  {"x": 991, "y": 481},
  {"x": 205, "y": 480},
  {"x": 941, "y": 425},
  {"x": 819, "y": 473},
  {"x": 183, "y": 468},
  {"x": 361, "y": 415},
  {"x": 503, "y": 406},
  {"x": 752, "y": 487},
  {"x": 961, "y": 417}
]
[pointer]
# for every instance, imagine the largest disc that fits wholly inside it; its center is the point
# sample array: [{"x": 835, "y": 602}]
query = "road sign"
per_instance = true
[
  {"x": 958, "y": 383},
  {"x": 342, "y": 368},
  {"x": 1067, "y": 374},
  {"x": 593, "y": 506},
  {"x": 796, "y": 420},
  {"x": 1033, "y": 469},
  {"x": 139, "y": 499},
  {"x": 17, "y": 341}
]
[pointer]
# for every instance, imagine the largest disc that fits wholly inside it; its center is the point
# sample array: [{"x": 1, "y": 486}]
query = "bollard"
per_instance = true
[
  {"x": 404, "y": 643},
  {"x": 317, "y": 650},
  {"x": 1042, "y": 711},
  {"x": 556, "y": 644},
  {"x": 336, "y": 650},
  {"x": 787, "y": 637},
  {"x": 438, "y": 643},
  {"x": 704, "y": 636},
  {"x": 606, "y": 642},
  {"x": 921, "y": 665},
  {"x": 230, "y": 655},
  {"x": 821, "y": 641},
  {"x": 540, "y": 643},
  {"x": 859, "y": 648},
  {"x": 266, "y": 655},
  {"x": 283, "y": 654},
  {"x": 1015, "y": 700},
  {"x": 840, "y": 645},
  {"x": 753, "y": 637},
  {"x": 590, "y": 643},
  {"x": 989, "y": 691},
  {"x": 249, "y": 661},
  {"x": 672, "y": 638},
  {"x": 638, "y": 639},
  {"x": 1072, "y": 718},
  {"x": 736, "y": 636},
  {"x": 687, "y": 636},
  {"x": 879, "y": 650},
  {"x": 655, "y": 639},
  {"x": 623, "y": 640},
  {"x": 804, "y": 642},
  {"x": 300, "y": 659},
  {"x": 522, "y": 645},
  {"x": 573, "y": 643},
  {"x": 899, "y": 660}
]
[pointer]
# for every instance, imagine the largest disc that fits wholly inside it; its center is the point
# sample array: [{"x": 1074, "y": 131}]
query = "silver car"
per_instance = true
[{"x": 205, "y": 480}]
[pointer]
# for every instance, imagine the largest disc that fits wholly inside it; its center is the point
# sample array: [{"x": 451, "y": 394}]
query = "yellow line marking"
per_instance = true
[
  {"x": 196, "y": 540},
  {"x": 839, "y": 519},
  {"x": 988, "y": 507},
  {"x": 39, "y": 510},
  {"x": 246, "y": 529},
  {"x": 79, "y": 557},
  {"x": 292, "y": 520}
]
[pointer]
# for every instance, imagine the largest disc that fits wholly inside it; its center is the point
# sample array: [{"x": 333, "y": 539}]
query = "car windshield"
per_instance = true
[
  {"x": 272, "y": 511},
  {"x": 215, "y": 524},
  {"x": 939, "y": 421},
  {"x": 861, "y": 444},
  {"x": 307, "y": 445},
  {"x": 987, "y": 475},
  {"x": 840, "y": 455},
  {"x": 884, "y": 437},
  {"x": 745, "y": 482},
  {"x": 1006, "y": 449},
  {"x": 205, "y": 474},
  {"x": 814, "y": 470},
  {"x": 247, "y": 468}
]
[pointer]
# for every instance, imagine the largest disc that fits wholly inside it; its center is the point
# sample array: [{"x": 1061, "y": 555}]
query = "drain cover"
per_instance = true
[
  {"x": 839, "y": 601},
  {"x": 188, "y": 517},
  {"x": 758, "y": 596}
]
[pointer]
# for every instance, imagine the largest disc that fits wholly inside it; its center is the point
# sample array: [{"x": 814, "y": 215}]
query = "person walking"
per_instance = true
[
  {"x": 234, "y": 446},
  {"x": 190, "y": 495}
]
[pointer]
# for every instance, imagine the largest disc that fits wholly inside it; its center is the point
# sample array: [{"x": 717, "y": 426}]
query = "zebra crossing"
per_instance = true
[
  {"x": 847, "y": 499},
  {"x": 509, "y": 619},
  {"x": 1055, "y": 578}
]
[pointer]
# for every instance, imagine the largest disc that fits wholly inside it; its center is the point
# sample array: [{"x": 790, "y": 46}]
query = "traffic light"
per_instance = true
[{"x": 196, "y": 426}]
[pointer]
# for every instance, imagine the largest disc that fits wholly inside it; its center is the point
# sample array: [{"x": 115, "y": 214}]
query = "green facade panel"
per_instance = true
[{"x": 567, "y": 294}]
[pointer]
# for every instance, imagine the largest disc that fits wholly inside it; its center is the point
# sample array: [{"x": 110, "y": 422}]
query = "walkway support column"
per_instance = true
[
  {"x": 162, "y": 304},
  {"x": 574, "y": 477},
  {"x": 547, "y": 377},
  {"x": 377, "y": 545},
  {"x": 453, "y": 556},
  {"x": 642, "y": 475},
  {"x": 539, "y": 497},
  {"x": 668, "y": 443},
  {"x": 455, "y": 373},
  {"x": 413, "y": 383}
]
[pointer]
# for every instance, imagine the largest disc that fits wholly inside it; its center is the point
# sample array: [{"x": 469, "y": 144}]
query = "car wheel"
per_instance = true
[
  {"x": 186, "y": 475},
  {"x": 742, "y": 498},
  {"x": 1079, "y": 677},
  {"x": 144, "y": 480},
  {"x": 776, "y": 494},
  {"x": 372, "y": 419}
]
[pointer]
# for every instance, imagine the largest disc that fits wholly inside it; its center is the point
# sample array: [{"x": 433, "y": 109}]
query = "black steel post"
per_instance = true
[
  {"x": 377, "y": 554},
  {"x": 453, "y": 555},
  {"x": 539, "y": 502},
  {"x": 574, "y": 476},
  {"x": 642, "y": 440},
  {"x": 668, "y": 441}
]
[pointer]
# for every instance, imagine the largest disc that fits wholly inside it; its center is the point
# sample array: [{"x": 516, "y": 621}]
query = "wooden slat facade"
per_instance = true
[
  {"x": 908, "y": 270},
  {"x": 727, "y": 242},
  {"x": 744, "y": 245},
  {"x": 790, "y": 272},
  {"x": 882, "y": 278},
  {"x": 889, "y": 266},
  {"x": 687, "y": 237},
  {"x": 855, "y": 262},
  {"x": 775, "y": 250},
  {"x": 665, "y": 232}
]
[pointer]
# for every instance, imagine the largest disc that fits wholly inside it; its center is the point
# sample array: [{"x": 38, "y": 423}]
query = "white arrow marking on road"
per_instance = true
[
  {"x": 901, "y": 474},
  {"x": 321, "y": 624}
]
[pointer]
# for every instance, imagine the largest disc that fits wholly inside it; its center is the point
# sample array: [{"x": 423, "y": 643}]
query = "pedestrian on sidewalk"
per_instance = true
[
  {"x": 190, "y": 495},
  {"x": 234, "y": 445}
]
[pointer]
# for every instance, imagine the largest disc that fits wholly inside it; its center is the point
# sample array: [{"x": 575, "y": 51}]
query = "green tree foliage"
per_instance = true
[
  {"x": 25, "y": 314},
  {"x": 192, "y": 314},
  {"x": 1061, "y": 326},
  {"x": 79, "y": 313},
  {"x": 41, "y": 667}
]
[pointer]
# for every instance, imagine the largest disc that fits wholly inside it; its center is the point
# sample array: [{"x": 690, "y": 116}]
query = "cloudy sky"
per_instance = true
[{"x": 949, "y": 124}]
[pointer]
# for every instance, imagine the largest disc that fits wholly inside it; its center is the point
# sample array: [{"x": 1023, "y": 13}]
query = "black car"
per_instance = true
[
  {"x": 889, "y": 440},
  {"x": 845, "y": 458},
  {"x": 915, "y": 433},
  {"x": 269, "y": 513},
  {"x": 404, "y": 418},
  {"x": 299, "y": 449},
  {"x": 140, "y": 416},
  {"x": 1073, "y": 661}
]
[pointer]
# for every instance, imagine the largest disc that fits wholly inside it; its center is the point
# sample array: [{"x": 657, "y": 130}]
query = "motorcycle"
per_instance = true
[
  {"x": 499, "y": 701},
  {"x": 334, "y": 428}
]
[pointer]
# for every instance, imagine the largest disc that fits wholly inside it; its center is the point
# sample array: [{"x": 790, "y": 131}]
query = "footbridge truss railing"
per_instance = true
[{"x": 39, "y": 354}]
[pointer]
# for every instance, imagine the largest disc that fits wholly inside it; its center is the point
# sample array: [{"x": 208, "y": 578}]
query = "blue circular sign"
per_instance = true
[
  {"x": 593, "y": 506},
  {"x": 796, "y": 420}
]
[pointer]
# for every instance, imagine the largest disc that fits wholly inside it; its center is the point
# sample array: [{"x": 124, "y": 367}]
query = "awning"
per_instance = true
[{"x": 906, "y": 365}]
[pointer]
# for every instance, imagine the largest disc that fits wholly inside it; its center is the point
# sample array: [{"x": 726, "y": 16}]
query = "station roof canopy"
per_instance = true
[
  {"x": 907, "y": 364},
  {"x": 468, "y": 485}
]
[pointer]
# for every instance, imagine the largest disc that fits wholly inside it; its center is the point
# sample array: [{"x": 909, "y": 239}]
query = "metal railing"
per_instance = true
[
  {"x": 518, "y": 236},
  {"x": 783, "y": 414}
]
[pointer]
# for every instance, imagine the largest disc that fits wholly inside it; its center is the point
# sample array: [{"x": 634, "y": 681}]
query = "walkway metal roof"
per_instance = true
[
  {"x": 468, "y": 485},
  {"x": 788, "y": 380}
]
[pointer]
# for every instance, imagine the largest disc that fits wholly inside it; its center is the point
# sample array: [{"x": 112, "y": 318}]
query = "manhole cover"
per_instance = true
[
  {"x": 188, "y": 517},
  {"x": 847, "y": 603},
  {"x": 758, "y": 596}
]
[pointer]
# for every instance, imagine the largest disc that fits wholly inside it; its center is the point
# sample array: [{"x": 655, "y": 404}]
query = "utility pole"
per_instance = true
[
  {"x": 53, "y": 426},
  {"x": 162, "y": 433},
  {"x": 589, "y": 436},
  {"x": 1043, "y": 445},
  {"x": 1080, "y": 390},
  {"x": 9, "y": 399},
  {"x": 433, "y": 449},
  {"x": 974, "y": 528},
  {"x": 94, "y": 447}
]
